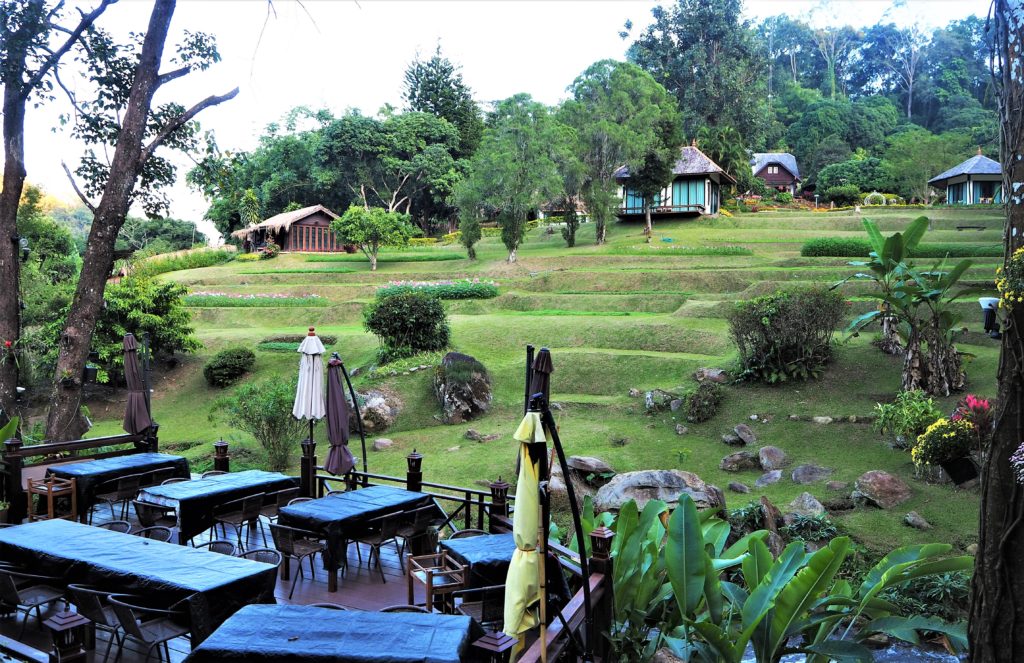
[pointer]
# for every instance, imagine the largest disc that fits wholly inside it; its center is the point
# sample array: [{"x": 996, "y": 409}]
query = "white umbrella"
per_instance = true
[{"x": 309, "y": 396}]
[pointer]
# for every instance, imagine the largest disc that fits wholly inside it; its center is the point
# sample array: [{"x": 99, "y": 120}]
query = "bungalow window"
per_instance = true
[{"x": 773, "y": 170}]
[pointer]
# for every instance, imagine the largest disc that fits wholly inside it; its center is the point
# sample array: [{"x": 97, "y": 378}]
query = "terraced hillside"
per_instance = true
[{"x": 626, "y": 315}]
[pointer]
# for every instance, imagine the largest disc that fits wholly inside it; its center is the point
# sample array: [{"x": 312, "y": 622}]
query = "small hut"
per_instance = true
[
  {"x": 977, "y": 180},
  {"x": 695, "y": 188},
  {"x": 777, "y": 169},
  {"x": 307, "y": 229}
]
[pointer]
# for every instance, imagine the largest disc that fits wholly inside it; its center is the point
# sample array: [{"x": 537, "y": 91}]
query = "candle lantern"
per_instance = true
[{"x": 69, "y": 631}]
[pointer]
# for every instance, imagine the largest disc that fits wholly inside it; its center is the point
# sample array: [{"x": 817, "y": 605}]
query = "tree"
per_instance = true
[
  {"x": 122, "y": 112},
  {"x": 27, "y": 60},
  {"x": 996, "y": 626},
  {"x": 867, "y": 174},
  {"x": 725, "y": 147},
  {"x": 469, "y": 227},
  {"x": 435, "y": 86},
  {"x": 513, "y": 171},
  {"x": 916, "y": 155},
  {"x": 168, "y": 234},
  {"x": 652, "y": 169},
  {"x": 835, "y": 44},
  {"x": 370, "y": 229}
]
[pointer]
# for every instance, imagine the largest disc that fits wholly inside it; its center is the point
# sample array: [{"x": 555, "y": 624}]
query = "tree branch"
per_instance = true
[
  {"x": 69, "y": 93},
  {"x": 74, "y": 185},
  {"x": 177, "y": 122},
  {"x": 171, "y": 75},
  {"x": 83, "y": 25}
]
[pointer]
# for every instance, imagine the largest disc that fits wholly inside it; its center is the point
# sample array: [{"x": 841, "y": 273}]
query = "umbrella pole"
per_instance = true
[
  {"x": 359, "y": 415},
  {"x": 529, "y": 378}
]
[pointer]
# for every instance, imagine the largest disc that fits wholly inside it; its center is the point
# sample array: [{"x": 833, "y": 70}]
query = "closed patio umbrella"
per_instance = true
[
  {"x": 339, "y": 458},
  {"x": 523, "y": 590},
  {"x": 309, "y": 395},
  {"x": 137, "y": 418}
]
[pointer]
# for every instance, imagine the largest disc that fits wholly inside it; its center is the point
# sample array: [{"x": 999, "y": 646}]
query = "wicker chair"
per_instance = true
[
  {"x": 149, "y": 625},
  {"x": 381, "y": 530},
  {"x": 329, "y": 606},
  {"x": 92, "y": 604},
  {"x": 485, "y": 605},
  {"x": 415, "y": 523},
  {"x": 275, "y": 501},
  {"x": 25, "y": 592},
  {"x": 297, "y": 544},
  {"x": 155, "y": 533},
  {"x": 153, "y": 515},
  {"x": 467, "y": 533},
  {"x": 265, "y": 555},
  {"x": 241, "y": 515},
  {"x": 405, "y": 608},
  {"x": 122, "y": 526},
  {"x": 221, "y": 547},
  {"x": 212, "y": 473},
  {"x": 118, "y": 491}
]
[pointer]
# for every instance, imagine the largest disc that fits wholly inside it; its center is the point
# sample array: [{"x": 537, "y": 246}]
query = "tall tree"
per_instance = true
[
  {"x": 122, "y": 113},
  {"x": 996, "y": 626},
  {"x": 435, "y": 86},
  {"x": 27, "y": 59}
]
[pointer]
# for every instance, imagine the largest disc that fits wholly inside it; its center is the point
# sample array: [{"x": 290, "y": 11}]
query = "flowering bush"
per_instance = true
[
  {"x": 234, "y": 299},
  {"x": 1010, "y": 282},
  {"x": 270, "y": 250},
  {"x": 467, "y": 289},
  {"x": 943, "y": 441},
  {"x": 977, "y": 411}
]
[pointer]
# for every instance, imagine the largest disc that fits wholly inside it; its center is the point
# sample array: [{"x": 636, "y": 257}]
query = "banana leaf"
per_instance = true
[
  {"x": 684, "y": 555},
  {"x": 842, "y": 651}
]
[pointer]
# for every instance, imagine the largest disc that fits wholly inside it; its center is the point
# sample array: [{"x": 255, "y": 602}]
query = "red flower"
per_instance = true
[{"x": 8, "y": 344}]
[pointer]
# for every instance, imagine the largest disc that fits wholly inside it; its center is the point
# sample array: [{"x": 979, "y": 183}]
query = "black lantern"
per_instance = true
[
  {"x": 220, "y": 449},
  {"x": 415, "y": 461},
  {"x": 68, "y": 631},
  {"x": 23, "y": 244},
  {"x": 89, "y": 373}
]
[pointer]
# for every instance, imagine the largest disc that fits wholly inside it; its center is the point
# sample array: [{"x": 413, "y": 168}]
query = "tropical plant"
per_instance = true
[
  {"x": 943, "y": 441},
  {"x": 264, "y": 410},
  {"x": 906, "y": 417},
  {"x": 978, "y": 411},
  {"x": 1010, "y": 281}
]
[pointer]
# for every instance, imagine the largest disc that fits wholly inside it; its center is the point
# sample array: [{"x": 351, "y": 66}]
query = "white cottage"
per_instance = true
[{"x": 977, "y": 180}]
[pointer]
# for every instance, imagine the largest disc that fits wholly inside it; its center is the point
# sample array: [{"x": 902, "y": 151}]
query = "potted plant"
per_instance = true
[{"x": 947, "y": 443}]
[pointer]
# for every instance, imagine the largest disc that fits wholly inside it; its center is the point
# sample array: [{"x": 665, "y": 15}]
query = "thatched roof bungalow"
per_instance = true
[
  {"x": 977, "y": 180},
  {"x": 306, "y": 229},
  {"x": 695, "y": 187}
]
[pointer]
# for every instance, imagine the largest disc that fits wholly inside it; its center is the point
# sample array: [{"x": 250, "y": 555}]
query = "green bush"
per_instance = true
[
  {"x": 784, "y": 197},
  {"x": 271, "y": 250},
  {"x": 443, "y": 289},
  {"x": 836, "y": 247},
  {"x": 848, "y": 194},
  {"x": 851, "y": 247},
  {"x": 407, "y": 323},
  {"x": 294, "y": 339},
  {"x": 909, "y": 415},
  {"x": 194, "y": 259},
  {"x": 264, "y": 410},
  {"x": 703, "y": 402},
  {"x": 422, "y": 241},
  {"x": 786, "y": 335},
  {"x": 249, "y": 257},
  {"x": 228, "y": 366},
  {"x": 396, "y": 257}
]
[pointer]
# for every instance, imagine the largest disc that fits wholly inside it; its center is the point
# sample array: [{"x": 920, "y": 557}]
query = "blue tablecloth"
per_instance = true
[
  {"x": 486, "y": 557},
  {"x": 91, "y": 474}
]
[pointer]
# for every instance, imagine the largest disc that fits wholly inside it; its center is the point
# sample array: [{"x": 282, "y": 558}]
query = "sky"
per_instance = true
[{"x": 339, "y": 54}]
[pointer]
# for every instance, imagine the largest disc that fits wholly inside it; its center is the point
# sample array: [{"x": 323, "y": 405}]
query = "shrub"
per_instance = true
[
  {"x": 852, "y": 247},
  {"x": 264, "y": 410},
  {"x": 327, "y": 339},
  {"x": 703, "y": 402},
  {"x": 467, "y": 289},
  {"x": 847, "y": 194},
  {"x": 249, "y": 257},
  {"x": 235, "y": 300},
  {"x": 194, "y": 259},
  {"x": 943, "y": 441},
  {"x": 811, "y": 528},
  {"x": 422, "y": 241},
  {"x": 271, "y": 250},
  {"x": 787, "y": 335},
  {"x": 784, "y": 197},
  {"x": 228, "y": 366},
  {"x": 407, "y": 323},
  {"x": 906, "y": 417},
  {"x": 836, "y": 247}
]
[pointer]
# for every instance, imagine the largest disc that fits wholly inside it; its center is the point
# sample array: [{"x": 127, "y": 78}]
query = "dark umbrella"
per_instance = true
[
  {"x": 540, "y": 381},
  {"x": 339, "y": 458},
  {"x": 136, "y": 413}
]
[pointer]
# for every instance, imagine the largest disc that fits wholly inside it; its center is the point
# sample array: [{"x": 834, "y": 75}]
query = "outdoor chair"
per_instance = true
[
  {"x": 118, "y": 491},
  {"x": 335, "y": 492},
  {"x": 415, "y": 524},
  {"x": 155, "y": 533},
  {"x": 122, "y": 526},
  {"x": 275, "y": 501},
  {"x": 484, "y": 605},
  {"x": 25, "y": 592},
  {"x": 466, "y": 533},
  {"x": 381, "y": 530},
  {"x": 212, "y": 473},
  {"x": 221, "y": 547},
  {"x": 405, "y": 608},
  {"x": 151, "y": 515},
  {"x": 265, "y": 555},
  {"x": 241, "y": 515},
  {"x": 300, "y": 500},
  {"x": 298, "y": 544},
  {"x": 167, "y": 482},
  {"x": 329, "y": 606},
  {"x": 92, "y": 604},
  {"x": 149, "y": 625},
  {"x": 157, "y": 477}
]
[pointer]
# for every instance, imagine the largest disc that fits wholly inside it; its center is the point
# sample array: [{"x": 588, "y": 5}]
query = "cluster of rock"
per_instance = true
[
  {"x": 379, "y": 409},
  {"x": 665, "y": 485},
  {"x": 463, "y": 388}
]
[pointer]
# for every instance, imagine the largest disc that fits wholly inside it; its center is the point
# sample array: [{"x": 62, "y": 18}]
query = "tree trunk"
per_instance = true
[
  {"x": 914, "y": 372},
  {"x": 890, "y": 343},
  {"x": 373, "y": 262},
  {"x": 648, "y": 227},
  {"x": 64, "y": 421},
  {"x": 511, "y": 256},
  {"x": 996, "y": 626}
]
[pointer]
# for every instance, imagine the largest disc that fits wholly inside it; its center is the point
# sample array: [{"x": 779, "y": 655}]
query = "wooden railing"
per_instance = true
[{"x": 661, "y": 209}]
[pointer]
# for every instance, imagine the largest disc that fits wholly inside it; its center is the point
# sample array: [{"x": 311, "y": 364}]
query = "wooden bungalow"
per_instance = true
[
  {"x": 778, "y": 170},
  {"x": 695, "y": 188},
  {"x": 307, "y": 229},
  {"x": 977, "y": 180}
]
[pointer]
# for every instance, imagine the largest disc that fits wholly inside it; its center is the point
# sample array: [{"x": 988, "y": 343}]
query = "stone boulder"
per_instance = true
[
  {"x": 805, "y": 474},
  {"x": 382, "y": 443},
  {"x": 476, "y": 436},
  {"x": 806, "y": 505},
  {"x": 733, "y": 440},
  {"x": 379, "y": 410},
  {"x": 737, "y": 487},
  {"x": 916, "y": 520},
  {"x": 664, "y": 485},
  {"x": 768, "y": 478},
  {"x": 711, "y": 375},
  {"x": 588, "y": 465},
  {"x": 772, "y": 458},
  {"x": 658, "y": 400},
  {"x": 462, "y": 387},
  {"x": 881, "y": 489},
  {"x": 681, "y": 429},
  {"x": 739, "y": 461},
  {"x": 744, "y": 432}
]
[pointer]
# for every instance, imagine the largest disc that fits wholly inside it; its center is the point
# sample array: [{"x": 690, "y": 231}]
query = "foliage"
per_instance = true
[
  {"x": 248, "y": 257},
  {"x": 784, "y": 197},
  {"x": 397, "y": 257},
  {"x": 810, "y": 529},
  {"x": 295, "y": 339},
  {"x": 703, "y": 402},
  {"x": 371, "y": 229},
  {"x": 945, "y": 595},
  {"x": 228, "y": 366},
  {"x": 407, "y": 323},
  {"x": 846, "y": 247},
  {"x": 170, "y": 234},
  {"x": 979, "y": 412},
  {"x": 467, "y": 289},
  {"x": 1010, "y": 282},
  {"x": 847, "y": 194},
  {"x": 943, "y": 441},
  {"x": 223, "y": 300},
  {"x": 725, "y": 146},
  {"x": 469, "y": 228},
  {"x": 867, "y": 174},
  {"x": 264, "y": 410},
  {"x": 916, "y": 155},
  {"x": 422, "y": 241},
  {"x": 194, "y": 259},
  {"x": 270, "y": 250},
  {"x": 851, "y": 247},
  {"x": 779, "y": 340},
  {"x": 435, "y": 86},
  {"x": 907, "y": 416}
]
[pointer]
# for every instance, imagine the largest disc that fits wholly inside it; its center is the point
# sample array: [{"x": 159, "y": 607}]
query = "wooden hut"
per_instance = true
[
  {"x": 977, "y": 180},
  {"x": 695, "y": 188},
  {"x": 778, "y": 170},
  {"x": 307, "y": 229}
]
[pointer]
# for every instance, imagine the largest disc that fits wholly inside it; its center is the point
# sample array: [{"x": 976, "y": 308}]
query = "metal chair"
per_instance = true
[
  {"x": 167, "y": 482},
  {"x": 118, "y": 491},
  {"x": 157, "y": 477},
  {"x": 220, "y": 547},
  {"x": 485, "y": 605},
  {"x": 265, "y": 555},
  {"x": 381, "y": 530},
  {"x": 274, "y": 502},
  {"x": 467, "y": 533},
  {"x": 300, "y": 500},
  {"x": 297, "y": 544},
  {"x": 329, "y": 606},
  {"x": 92, "y": 604},
  {"x": 151, "y": 515},
  {"x": 241, "y": 514},
  {"x": 212, "y": 473},
  {"x": 405, "y": 608},
  {"x": 122, "y": 526},
  {"x": 149, "y": 625},
  {"x": 25, "y": 592},
  {"x": 415, "y": 523},
  {"x": 155, "y": 533},
  {"x": 335, "y": 492}
]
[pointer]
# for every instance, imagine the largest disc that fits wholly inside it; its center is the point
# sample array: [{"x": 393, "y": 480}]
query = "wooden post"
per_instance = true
[
  {"x": 604, "y": 611},
  {"x": 414, "y": 471},
  {"x": 307, "y": 479},
  {"x": 221, "y": 458},
  {"x": 152, "y": 442},
  {"x": 499, "y": 503},
  {"x": 13, "y": 491}
]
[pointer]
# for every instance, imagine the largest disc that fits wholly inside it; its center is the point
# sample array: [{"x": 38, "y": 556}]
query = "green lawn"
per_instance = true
[{"x": 621, "y": 316}]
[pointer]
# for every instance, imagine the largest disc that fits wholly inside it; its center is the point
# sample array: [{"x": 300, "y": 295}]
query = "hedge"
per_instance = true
[
  {"x": 442, "y": 289},
  {"x": 844, "y": 247}
]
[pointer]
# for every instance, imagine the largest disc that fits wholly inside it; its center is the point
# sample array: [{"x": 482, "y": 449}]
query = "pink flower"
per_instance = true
[{"x": 8, "y": 344}]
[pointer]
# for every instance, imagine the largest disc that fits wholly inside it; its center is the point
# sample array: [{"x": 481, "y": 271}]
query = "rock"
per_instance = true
[
  {"x": 588, "y": 465},
  {"x": 915, "y": 520},
  {"x": 455, "y": 448},
  {"x": 806, "y": 505},
  {"x": 739, "y": 461},
  {"x": 794, "y": 417},
  {"x": 876, "y": 640},
  {"x": 805, "y": 474},
  {"x": 658, "y": 400},
  {"x": 881, "y": 489},
  {"x": 821, "y": 420},
  {"x": 634, "y": 393},
  {"x": 753, "y": 417},
  {"x": 462, "y": 387},
  {"x": 675, "y": 404},
  {"x": 768, "y": 478},
  {"x": 476, "y": 436},
  {"x": 382, "y": 443},
  {"x": 717, "y": 498},
  {"x": 837, "y": 485},
  {"x": 737, "y": 487},
  {"x": 711, "y": 375},
  {"x": 557, "y": 407},
  {"x": 379, "y": 410},
  {"x": 772, "y": 458},
  {"x": 744, "y": 433},
  {"x": 414, "y": 369},
  {"x": 645, "y": 485},
  {"x": 556, "y": 484},
  {"x": 733, "y": 440},
  {"x": 972, "y": 549},
  {"x": 681, "y": 429}
]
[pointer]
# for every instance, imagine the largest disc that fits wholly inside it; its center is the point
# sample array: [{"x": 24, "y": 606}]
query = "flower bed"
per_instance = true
[
  {"x": 944, "y": 441},
  {"x": 467, "y": 289},
  {"x": 223, "y": 299},
  {"x": 1011, "y": 282}
]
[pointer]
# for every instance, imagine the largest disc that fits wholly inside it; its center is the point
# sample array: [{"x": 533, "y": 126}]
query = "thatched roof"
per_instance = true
[
  {"x": 283, "y": 221},
  {"x": 691, "y": 162}
]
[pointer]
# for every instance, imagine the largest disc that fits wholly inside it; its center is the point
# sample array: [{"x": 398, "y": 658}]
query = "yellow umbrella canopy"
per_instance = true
[{"x": 523, "y": 591}]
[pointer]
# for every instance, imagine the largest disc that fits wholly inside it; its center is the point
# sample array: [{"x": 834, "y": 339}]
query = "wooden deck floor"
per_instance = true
[{"x": 359, "y": 589}]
